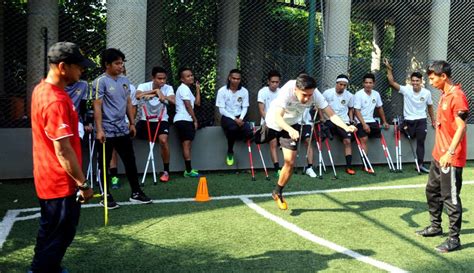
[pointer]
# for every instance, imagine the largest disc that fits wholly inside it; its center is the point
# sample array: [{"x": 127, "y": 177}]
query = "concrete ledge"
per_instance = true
[{"x": 209, "y": 150}]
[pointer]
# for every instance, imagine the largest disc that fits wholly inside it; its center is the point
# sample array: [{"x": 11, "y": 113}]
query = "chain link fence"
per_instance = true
[{"x": 322, "y": 38}]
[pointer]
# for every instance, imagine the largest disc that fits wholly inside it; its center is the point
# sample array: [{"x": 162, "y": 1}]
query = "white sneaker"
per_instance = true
[{"x": 311, "y": 173}]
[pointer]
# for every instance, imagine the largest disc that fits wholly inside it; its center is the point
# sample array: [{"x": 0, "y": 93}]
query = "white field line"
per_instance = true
[
  {"x": 318, "y": 240},
  {"x": 11, "y": 215}
]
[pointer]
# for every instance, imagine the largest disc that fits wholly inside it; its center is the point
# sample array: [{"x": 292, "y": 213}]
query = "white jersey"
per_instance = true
[
  {"x": 266, "y": 96},
  {"x": 340, "y": 103},
  {"x": 231, "y": 101},
  {"x": 183, "y": 93},
  {"x": 153, "y": 105},
  {"x": 415, "y": 103},
  {"x": 294, "y": 109},
  {"x": 367, "y": 103}
]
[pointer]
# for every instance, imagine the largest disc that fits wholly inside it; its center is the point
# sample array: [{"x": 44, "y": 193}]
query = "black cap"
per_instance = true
[{"x": 68, "y": 53}]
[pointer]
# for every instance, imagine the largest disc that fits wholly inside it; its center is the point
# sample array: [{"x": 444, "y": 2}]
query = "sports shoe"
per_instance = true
[
  {"x": 423, "y": 169},
  {"x": 229, "y": 160},
  {"x": 111, "y": 204},
  {"x": 430, "y": 231},
  {"x": 192, "y": 173},
  {"x": 277, "y": 173},
  {"x": 449, "y": 245},
  {"x": 115, "y": 182},
  {"x": 281, "y": 202},
  {"x": 165, "y": 177},
  {"x": 369, "y": 171},
  {"x": 140, "y": 197},
  {"x": 311, "y": 173},
  {"x": 350, "y": 171}
]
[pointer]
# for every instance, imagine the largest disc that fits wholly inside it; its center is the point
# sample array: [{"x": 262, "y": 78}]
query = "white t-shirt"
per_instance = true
[
  {"x": 414, "y": 104},
  {"x": 366, "y": 104},
  {"x": 287, "y": 100},
  {"x": 306, "y": 117},
  {"x": 183, "y": 93},
  {"x": 232, "y": 101},
  {"x": 266, "y": 96},
  {"x": 153, "y": 105},
  {"x": 340, "y": 103}
]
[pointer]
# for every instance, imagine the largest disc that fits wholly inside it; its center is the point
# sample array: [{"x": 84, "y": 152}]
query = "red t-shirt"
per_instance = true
[
  {"x": 449, "y": 106},
  {"x": 52, "y": 118}
]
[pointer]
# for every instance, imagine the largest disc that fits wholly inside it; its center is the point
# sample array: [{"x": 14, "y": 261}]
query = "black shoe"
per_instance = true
[
  {"x": 449, "y": 245},
  {"x": 430, "y": 231},
  {"x": 140, "y": 197},
  {"x": 423, "y": 169},
  {"x": 111, "y": 204}
]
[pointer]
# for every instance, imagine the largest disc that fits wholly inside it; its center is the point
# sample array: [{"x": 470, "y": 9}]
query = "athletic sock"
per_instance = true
[
  {"x": 276, "y": 165},
  {"x": 349, "y": 161},
  {"x": 187, "y": 163},
  {"x": 309, "y": 166},
  {"x": 279, "y": 189},
  {"x": 166, "y": 167},
  {"x": 113, "y": 171}
]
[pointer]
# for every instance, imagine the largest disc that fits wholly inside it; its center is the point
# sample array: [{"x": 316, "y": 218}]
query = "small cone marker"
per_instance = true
[{"x": 202, "y": 195}]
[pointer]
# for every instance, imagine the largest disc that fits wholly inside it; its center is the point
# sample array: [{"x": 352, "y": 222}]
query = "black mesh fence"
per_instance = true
[{"x": 212, "y": 37}]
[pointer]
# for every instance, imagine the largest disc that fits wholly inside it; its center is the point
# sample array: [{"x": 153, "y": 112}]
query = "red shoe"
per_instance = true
[
  {"x": 369, "y": 171},
  {"x": 165, "y": 177},
  {"x": 350, "y": 171}
]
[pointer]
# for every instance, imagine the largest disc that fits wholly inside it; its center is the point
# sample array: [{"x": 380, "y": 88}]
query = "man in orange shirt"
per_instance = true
[
  {"x": 449, "y": 157},
  {"x": 57, "y": 161}
]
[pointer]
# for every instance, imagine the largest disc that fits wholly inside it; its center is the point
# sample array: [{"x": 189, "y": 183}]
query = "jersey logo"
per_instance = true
[
  {"x": 111, "y": 88},
  {"x": 422, "y": 99},
  {"x": 444, "y": 106},
  {"x": 343, "y": 102},
  {"x": 78, "y": 91},
  {"x": 63, "y": 126},
  {"x": 125, "y": 86},
  {"x": 239, "y": 99},
  {"x": 373, "y": 101}
]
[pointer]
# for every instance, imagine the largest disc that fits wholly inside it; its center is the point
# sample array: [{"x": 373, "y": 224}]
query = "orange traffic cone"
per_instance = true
[{"x": 202, "y": 195}]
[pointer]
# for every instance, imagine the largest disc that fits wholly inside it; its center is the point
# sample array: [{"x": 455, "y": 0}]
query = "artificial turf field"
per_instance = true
[{"x": 329, "y": 224}]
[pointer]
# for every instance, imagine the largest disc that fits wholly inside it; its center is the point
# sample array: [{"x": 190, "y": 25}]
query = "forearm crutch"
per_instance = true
[
  {"x": 386, "y": 152},
  {"x": 330, "y": 158},
  {"x": 412, "y": 150},
  {"x": 91, "y": 145},
  {"x": 310, "y": 138},
  {"x": 299, "y": 145},
  {"x": 322, "y": 165},
  {"x": 363, "y": 155},
  {"x": 151, "y": 143},
  {"x": 250, "y": 159},
  {"x": 261, "y": 157},
  {"x": 398, "y": 155}
]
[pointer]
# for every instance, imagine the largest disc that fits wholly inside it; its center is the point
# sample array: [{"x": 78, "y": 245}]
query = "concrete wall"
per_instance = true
[{"x": 209, "y": 149}]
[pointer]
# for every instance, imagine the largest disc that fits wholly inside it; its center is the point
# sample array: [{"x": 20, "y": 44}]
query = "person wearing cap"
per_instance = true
[
  {"x": 112, "y": 101},
  {"x": 449, "y": 158},
  {"x": 416, "y": 100},
  {"x": 265, "y": 96},
  {"x": 57, "y": 160},
  {"x": 366, "y": 101},
  {"x": 155, "y": 96},
  {"x": 233, "y": 103},
  {"x": 342, "y": 102}
]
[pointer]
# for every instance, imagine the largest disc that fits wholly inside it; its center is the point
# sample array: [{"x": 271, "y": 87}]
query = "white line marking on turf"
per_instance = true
[
  {"x": 10, "y": 217},
  {"x": 318, "y": 240}
]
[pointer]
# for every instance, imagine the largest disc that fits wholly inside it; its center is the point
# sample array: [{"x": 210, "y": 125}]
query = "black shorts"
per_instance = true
[
  {"x": 185, "y": 130},
  {"x": 265, "y": 135},
  {"x": 306, "y": 133},
  {"x": 338, "y": 131},
  {"x": 142, "y": 129},
  {"x": 374, "y": 130}
]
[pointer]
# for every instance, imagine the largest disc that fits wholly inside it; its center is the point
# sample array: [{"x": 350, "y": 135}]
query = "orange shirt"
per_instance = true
[
  {"x": 52, "y": 118},
  {"x": 449, "y": 106}
]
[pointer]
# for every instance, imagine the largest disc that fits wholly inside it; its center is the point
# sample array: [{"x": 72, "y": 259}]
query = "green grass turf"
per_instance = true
[{"x": 225, "y": 235}]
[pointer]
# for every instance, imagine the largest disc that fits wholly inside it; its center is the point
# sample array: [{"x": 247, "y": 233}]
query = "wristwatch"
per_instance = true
[
  {"x": 85, "y": 186},
  {"x": 451, "y": 151}
]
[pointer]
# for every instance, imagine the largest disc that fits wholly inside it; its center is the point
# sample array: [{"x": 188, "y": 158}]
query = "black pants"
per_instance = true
[
  {"x": 417, "y": 130},
  {"x": 235, "y": 132},
  {"x": 124, "y": 147},
  {"x": 439, "y": 193},
  {"x": 58, "y": 222}
]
